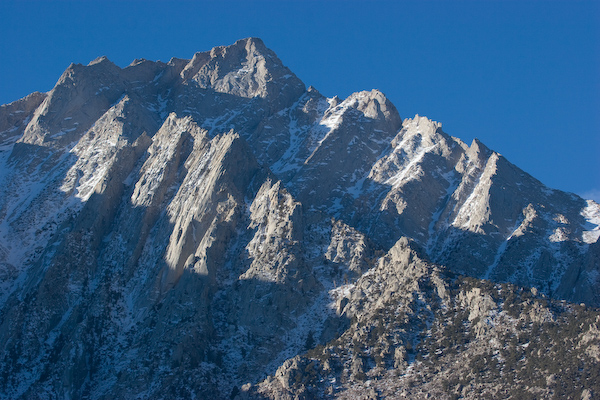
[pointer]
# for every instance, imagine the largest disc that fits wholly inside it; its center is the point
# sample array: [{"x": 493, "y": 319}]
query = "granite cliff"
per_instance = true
[{"x": 211, "y": 228}]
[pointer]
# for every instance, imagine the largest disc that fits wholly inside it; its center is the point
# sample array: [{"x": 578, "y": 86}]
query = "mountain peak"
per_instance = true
[
  {"x": 212, "y": 216},
  {"x": 247, "y": 69},
  {"x": 137, "y": 61},
  {"x": 250, "y": 44},
  {"x": 477, "y": 147},
  {"x": 99, "y": 60}
]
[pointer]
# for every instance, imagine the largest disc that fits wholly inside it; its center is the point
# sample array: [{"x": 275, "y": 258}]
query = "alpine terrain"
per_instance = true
[{"x": 213, "y": 229}]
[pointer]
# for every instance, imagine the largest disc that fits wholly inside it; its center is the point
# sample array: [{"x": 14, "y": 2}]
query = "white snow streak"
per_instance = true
[{"x": 591, "y": 213}]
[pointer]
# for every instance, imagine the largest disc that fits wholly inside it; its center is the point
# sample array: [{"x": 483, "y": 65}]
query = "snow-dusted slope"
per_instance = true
[{"x": 187, "y": 227}]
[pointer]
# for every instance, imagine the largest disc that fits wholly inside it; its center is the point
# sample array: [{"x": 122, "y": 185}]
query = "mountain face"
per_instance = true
[{"x": 211, "y": 228}]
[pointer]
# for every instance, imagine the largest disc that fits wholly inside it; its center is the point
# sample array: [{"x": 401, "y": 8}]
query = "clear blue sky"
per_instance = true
[{"x": 523, "y": 77}]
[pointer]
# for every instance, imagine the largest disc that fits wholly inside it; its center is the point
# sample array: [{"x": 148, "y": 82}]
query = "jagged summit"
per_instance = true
[
  {"x": 99, "y": 60},
  {"x": 354, "y": 159},
  {"x": 246, "y": 68},
  {"x": 185, "y": 229}
]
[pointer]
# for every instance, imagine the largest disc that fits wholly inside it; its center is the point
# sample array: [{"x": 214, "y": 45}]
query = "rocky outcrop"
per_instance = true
[
  {"x": 245, "y": 69},
  {"x": 15, "y": 116},
  {"x": 349, "y": 247},
  {"x": 418, "y": 331},
  {"x": 80, "y": 97},
  {"x": 351, "y": 135}
]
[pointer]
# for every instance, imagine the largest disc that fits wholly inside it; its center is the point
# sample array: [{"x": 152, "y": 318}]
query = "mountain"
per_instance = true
[{"x": 211, "y": 228}]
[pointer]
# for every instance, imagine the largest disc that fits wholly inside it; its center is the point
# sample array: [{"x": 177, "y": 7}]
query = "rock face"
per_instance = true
[
  {"x": 419, "y": 331},
  {"x": 211, "y": 228}
]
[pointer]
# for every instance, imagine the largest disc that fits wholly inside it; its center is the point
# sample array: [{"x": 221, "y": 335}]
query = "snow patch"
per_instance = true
[
  {"x": 411, "y": 171},
  {"x": 591, "y": 213}
]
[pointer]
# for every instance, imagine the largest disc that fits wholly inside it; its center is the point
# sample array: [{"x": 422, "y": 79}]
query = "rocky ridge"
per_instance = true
[{"x": 186, "y": 229}]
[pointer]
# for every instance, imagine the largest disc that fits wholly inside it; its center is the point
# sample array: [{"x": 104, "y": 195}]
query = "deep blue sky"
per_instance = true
[{"x": 523, "y": 77}]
